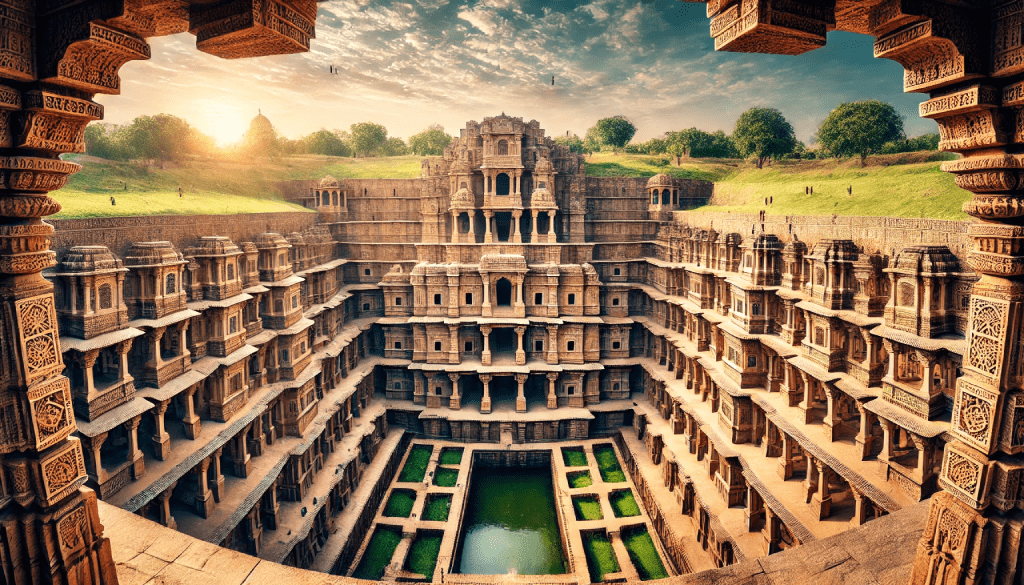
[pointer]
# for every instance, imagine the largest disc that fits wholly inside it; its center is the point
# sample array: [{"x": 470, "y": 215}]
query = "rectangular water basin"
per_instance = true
[
  {"x": 416, "y": 463},
  {"x": 378, "y": 552},
  {"x": 643, "y": 553},
  {"x": 423, "y": 552},
  {"x": 600, "y": 555}
]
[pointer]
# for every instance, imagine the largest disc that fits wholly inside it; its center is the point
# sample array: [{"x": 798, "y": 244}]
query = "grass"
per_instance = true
[
  {"x": 436, "y": 507},
  {"x": 587, "y": 507},
  {"x": 446, "y": 476},
  {"x": 579, "y": 479},
  {"x": 451, "y": 456},
  {"x": 416, "y": 464},
  {"x": 642, "y": 552},
  {"x": 574, "y": 457},
  {"x": 400, "y": 503},
  {"x": 212, "y": 185},
  {"x": 600, "y": 555},
  {"x": 423, "y": 553},
  {"x": 891, "y": 185},
  {"x": 606, "y": 164},
  {"x": 378, "y": 552},
  {"x": 624, "y": 504},
  {"x": 608, "y": 464}
]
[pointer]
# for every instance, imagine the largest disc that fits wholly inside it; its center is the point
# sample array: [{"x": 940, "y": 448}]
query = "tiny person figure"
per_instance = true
[
  {"x": 180, "y": 193},
  {"x": 112, "y": 202}
]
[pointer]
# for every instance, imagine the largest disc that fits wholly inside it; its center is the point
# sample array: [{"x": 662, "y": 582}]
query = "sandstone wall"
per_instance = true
[
  {"x": 875, "y": 234},
  {"x": 118, "y": 233}
]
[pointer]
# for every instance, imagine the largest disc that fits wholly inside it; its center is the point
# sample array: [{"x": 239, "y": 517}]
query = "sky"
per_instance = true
[{"x": 407, "y": 64}]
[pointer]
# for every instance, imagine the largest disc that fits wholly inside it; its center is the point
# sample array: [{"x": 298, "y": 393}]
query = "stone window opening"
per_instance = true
[
  {"x": 231, "y": 271},
  {"x": 755, "y": 309},
  {"x": 284, "y": 356},
  {"x": 366, "y": 306},
  {"x": 819, "y": 336},
  {"x": 752, "y": 361},
  {"x": 572, "y": 298},
  {"x": 437, "y": 346},
  {"x": 616, "y": 345},
  {"x": 437, "y": 298},
  {"x": 503, "y": 292},
  {"x": 437, "y": 390},
  {"x": 502, "y": 147},
  {"x": 469, "y": 298},
  {"x": 398, "y": 385},
  {"x": 615, "y": 387},
  {"x": 617, "y": 272},
  {"x": 398, "y": 345},
  {"x": 665, "y": 197},
  {"x": 398, "y": 301},
  {"x": 170, "y": 286},
  {"x": 570, "y": 390},
  {"x": 468, "y": 347},
  {"x": 233, "y": 325},
  {"x": 654, "y": 197},
  {"x": 615, "y": 301},
  {"x": 295, "y": 301},
  {"x": 570, "y": 345},
  {"x": 502, "y": 184},
  {"x": 538, "y": 298},
  {"x": 542, "y": 185}
]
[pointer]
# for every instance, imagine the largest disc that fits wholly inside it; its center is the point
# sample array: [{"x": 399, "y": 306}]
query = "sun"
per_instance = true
[{"x": 225, "y": 123}]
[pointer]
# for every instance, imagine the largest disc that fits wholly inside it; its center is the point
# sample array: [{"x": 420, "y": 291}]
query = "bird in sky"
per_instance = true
[{"x": 552, "y": 80}]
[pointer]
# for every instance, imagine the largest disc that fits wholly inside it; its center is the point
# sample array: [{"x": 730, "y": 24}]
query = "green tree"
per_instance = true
[
  {"x": 325, "y": 142},
  {"x": 860, "y": 128},
  {"x": 100, "y": 141},
  {"x": 431, "y": 141},
  {"x": 615, "y": 131},
  {"x": 763, "y": 133},
  {"x": 394, "y": 146},
  {"x": 368, "y": 139},
  {"x": 573, "y": 142}
]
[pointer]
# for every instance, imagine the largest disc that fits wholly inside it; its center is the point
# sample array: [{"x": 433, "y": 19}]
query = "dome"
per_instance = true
[
  {"x": 328, "y": 182},
  {"x": 153, "y": 254},
  {"x": 659, "y": 180}
]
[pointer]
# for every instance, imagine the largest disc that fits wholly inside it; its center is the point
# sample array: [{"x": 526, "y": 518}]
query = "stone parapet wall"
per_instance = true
[
  {"x": 886, "y": 235},
  {"x": 119, "y": 233}
]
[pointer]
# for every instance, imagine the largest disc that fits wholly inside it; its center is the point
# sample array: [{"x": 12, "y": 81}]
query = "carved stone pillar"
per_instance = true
[
  {"x": 453, "y": 344},
  {"x": 485, "y": 403},
  {"x": 517, "y": 236},
  {"x": 455, "y": 400},
  {"x": 521, "y": 397},
  {"x": 485, "y": 355},
  {"x": 488, "y": 237},
  {"x": 135, "y": 457},
  {"x": 552, "y": 353},
  {"x": 161, "y": 439},
  {"x": 865, "y": 437},
  {"x": 193, "y": 426},
  {"x": 204, "y": 497},
  {"x": 520, "y": 352},
  {"x": 165, "y": 507},
  {"x": 217, "y": 482},
  {"x": 552, "y": 397}
]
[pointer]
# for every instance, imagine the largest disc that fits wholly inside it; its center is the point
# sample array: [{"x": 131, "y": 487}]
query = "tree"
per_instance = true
[
  {"x": 431, "y": 141},
  {"x": 368, "y": 139},
  {"x": 860, "y": 128},
  {"x": 395, "y": 146},
  {"x": 573, "y": 143},
  {"x": 100, "y": 141},
  {"x": 615, "y": 131},
  {"x": 325, "y": 142},
  {"x": 763, "y": 133}
]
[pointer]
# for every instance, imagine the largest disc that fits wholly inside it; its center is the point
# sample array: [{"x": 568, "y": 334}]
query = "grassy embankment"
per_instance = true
[{"x": 901, "y": 185}]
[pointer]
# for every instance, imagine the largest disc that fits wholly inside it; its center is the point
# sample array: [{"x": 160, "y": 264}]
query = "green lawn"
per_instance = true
[
  {"x": 451, "y": 456},
  {"x": 624, "y": 504},
  {"x": 579, "y": 479},
  {"x": 587, "y": 507},
  {"x": 600, "y": 555},
  {"x": 574, "y": 457},
  {"x": 78, "y": 204},
  {"x": 644, "y": 555},
  {"x": 400, "y": 503},
  {"x": 608, "y": 464},
  {"x": 446, "y": 476},
  {"x": 437, "y": 507},
  {"x": 917, "y": 189},
  {"x": 423, "y": 553},
  {"x": 416, "y": 464},
  {"x": 378, "y": 552},
  {"x": 605, "y": 164}
]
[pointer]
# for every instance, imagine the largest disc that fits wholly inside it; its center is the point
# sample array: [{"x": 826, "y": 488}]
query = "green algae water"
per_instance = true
[{"x": 510, "y": 524}]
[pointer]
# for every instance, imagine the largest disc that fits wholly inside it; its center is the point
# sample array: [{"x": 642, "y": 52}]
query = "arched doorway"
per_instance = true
[
  {"x": 503, "y": 292},
  {"x": 501, "y": 184}
]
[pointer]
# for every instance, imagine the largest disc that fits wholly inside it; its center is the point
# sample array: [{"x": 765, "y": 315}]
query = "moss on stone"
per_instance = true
[
  {"x": 587, "y": 507},
  {"x": 574, "y": 457},
  {"x": 445, "y": 476},
  {"x": 400, "y": 503},
  {"x": 423, "y": 553},
  {"x": 608, "y": 463},
  {"x": 643, "y": 553},
  {"x": 451, "y": 456},
  {"x": 600, "y": 555},
  {"x": 378, "y": 552},
  {"x": 437, "y": 507},
  {"x": 579, "y": 479},
  {"x": 624, "y": 504},
  {"x": 416, "y": 464}
]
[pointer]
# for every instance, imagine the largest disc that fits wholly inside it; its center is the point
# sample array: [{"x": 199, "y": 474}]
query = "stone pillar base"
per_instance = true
[
  {"x": 218, "y": 489},
  {"x": 552, "y": 401},
  {"x": 455, "y": 402},
  {"x": 864, "y": 445},
  {"x": 520, "y": 358},
  {"x": 485, "y": 358},
  {"x": 193, "y": 426},
  {"x": 138, "y": 466},
  {"x": 485, "y": 406},
  {"x": 162, "y": 446},
  {"x": 822, "y": 505},
  {"x": 242, "y": 467},
  {"x": 785, "y": 469},
  {"x": 520, "y": 405},
  {"x": 205, "y": 504}
]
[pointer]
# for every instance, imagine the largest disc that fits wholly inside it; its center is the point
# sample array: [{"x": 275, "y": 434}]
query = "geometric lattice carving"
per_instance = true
[
  {"x": 73, "y": 529},
  {"x": 51, "y": 412},
  {"x": 985, "y": 339},
  {"x": 963, "y": 472},
  {"x": 63, "y": 472},
  {"x": 906, "y": 294},
  {"x": 37, "y": 320}
]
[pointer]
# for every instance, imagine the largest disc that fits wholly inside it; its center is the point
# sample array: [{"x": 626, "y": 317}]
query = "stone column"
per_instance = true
[
  {"x": 453, "y": 344},
  {"x": 534, "y": 232},
  {"x": 552, "y": 353},
  {"x": 861, "y": 505},
  {"x": 485, "y": 403},
  {"x": 521, "y": 398},
  {"x": 865, "y": 437},
  {"x": 552, "y": 397},
  {"x": 135, "y": 457},
  {"x": 485, "y": 307},
  {"x": 193, "y": 426},
  {"x": 889, "y": 430},
  {"x": 822, "y": 499},
  {"x": 517, "y": 237},
  {"x": 831, "y": 413},
  {"x": 88, "y": 361},
  {"x": 552, "y": 237},
  {"x": 204, "y": 497},
  {"x": 161, "y": 439},
  {"x": 785, "y": 467},
  {"x": 472, "y": 226},
  {"x": 95, "y": 445},
  {"x": 242, "y": 461},
  {"x": 485, "y": 355},
  {"x": 455, "y": 401},
  {"x": 155, "y": 362},
  {"x": 455, "y": 227},
  {"x": 217, "y": 483},
  {"x": 519, "y": 305},
  {"x": 419, "y": 393},
  {"x": 488, "y": 237},
  {"x": 122, "y": 371},
  {"x": 520, "y": 352},
  {"x": 165, "y": 507}
]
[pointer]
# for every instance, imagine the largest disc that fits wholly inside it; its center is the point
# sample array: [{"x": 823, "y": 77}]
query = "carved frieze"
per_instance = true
[
  {"x": 253, "y": 28},
  {"x": 965, "y": 474},
  {"x": 989, "y": 319},
  {"x": 62, "y": 471},
  {"x": 974, "y": 410},
  {"x": 91, "y": 63},
  {"x": 37, "y": 324}
]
